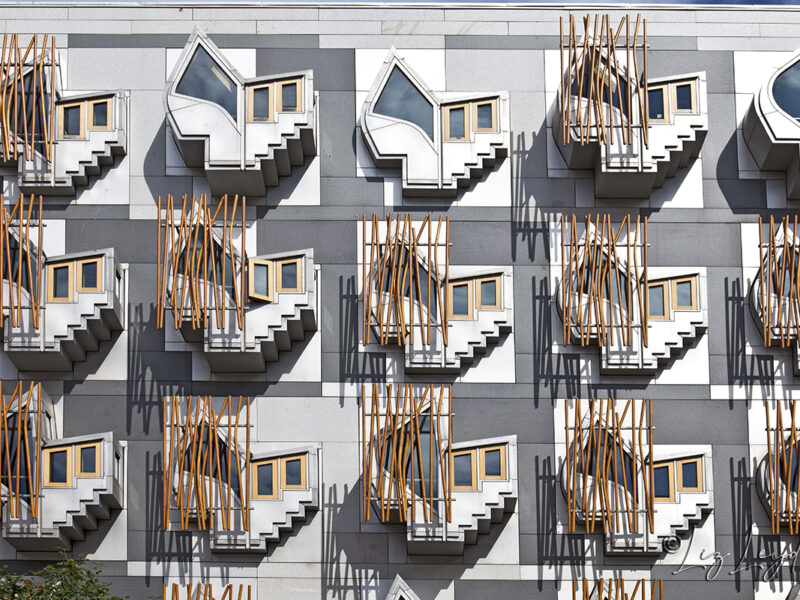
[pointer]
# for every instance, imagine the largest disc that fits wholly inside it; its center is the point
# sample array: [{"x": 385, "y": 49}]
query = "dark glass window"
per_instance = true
[
  {"x": 683, "y": 97},
  {"x": 461, "y": 299},
  {"x": 89, "y": 275},
  {"x": 655, "y": 103},
  {"x": 786, "y": 90},
  {"x": 58, "y": 467},
  {"x": 489, "y": 293},
  {"x": 606, "y": 451},
  {"x": 689, "y": 474},
  {"x": 656, "y": 300},
  {"x": 289, "y": 276},
  {"x": 61, "y": 282},
  {"x": 100, "y": 114},
  {"x": 457, "y": 124},
  {"x": 88, "y": 459},
  {"x": 462, "y": 470},
  {"x": 401, "y": 99},
  {"x": 264, "y": 473},
  {"x": 205, "y": 79},
  {"x": 72, "y": 120},
  {"x": 261, "y": 104},
  {"x": 491, "y": 463},
  {"x": 289, "y": 97},
  {"x": 684, "y": 290},
  {"x": 261, "y": 279},
  {"x": 661, "y": 484},
  {"x": 294, "y": 473},
  {"x": 485, "y": 116}
]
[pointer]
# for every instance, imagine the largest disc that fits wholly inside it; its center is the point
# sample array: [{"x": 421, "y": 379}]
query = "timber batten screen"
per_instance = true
[
  {"x": 604, "y": 283},
  {"x": 779, "y": 278},
  {"x": 198, "y": 474},
  {"x": 781, "y": 472},
  {"x": 198, "y": 268},
  {"x": 615, "y": 588},
  {"x": 407, "y": 443},
  {"x": 393, "y": 290},
  {"x": 20, "y": 270},
  {"x": 605, "y": 100},
  {"x": 206, "y": 591}
]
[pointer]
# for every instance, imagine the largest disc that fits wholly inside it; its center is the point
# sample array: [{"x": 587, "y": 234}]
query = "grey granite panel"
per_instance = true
[
  {"x": 334, "y": 70},
  {"x": 175, "y": 40},
  {"x": 497, "y": 42}
]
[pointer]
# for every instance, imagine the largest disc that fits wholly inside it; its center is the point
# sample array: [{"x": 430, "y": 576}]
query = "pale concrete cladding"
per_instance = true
[{"x": 705, "y": 400}]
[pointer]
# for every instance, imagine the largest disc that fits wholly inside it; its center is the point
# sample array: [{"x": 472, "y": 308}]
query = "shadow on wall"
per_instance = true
[
  {"x": 355, "y": 366},
  {"x": 525, "y": 228},
  {"x": 742, "y": 516}
]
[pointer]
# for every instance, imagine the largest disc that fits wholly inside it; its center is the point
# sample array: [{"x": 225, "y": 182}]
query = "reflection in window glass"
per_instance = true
[
  {"x": 683, "y": 97},
  {"x": 786, "y": 90},
  {"x": 655, "y": 104},
  {"x": 294, "y": 474},
  {"x": 689, "y": 474},
  {"x": 656, "y": 293},
  {"x": 400, "y": 99},
  {"x": 261, "y": 279},
  {"x": 206, "y": 80},
  {"x": 88, "y": 459},
  {"x": 289, "y": 276},
  {"x": 58, "y": 467},
  {"x": 100, "y": 114},
  {"x": 491, "y": 463},
  {"x": 289, "y": 97},
  {"x": 489, "y": 293},
  {"x": 484, "y": 116},
  {"x": 265, "y": 479},
  {"x": 461, "y": 299},
  {"x": 462, "y": 470},
  {"x": 89, "y": 275},
  {"x": 261, "y": 104},
  {"x": 61, "y": 282},
  {"x": 661, "y": 482},
  {"x": 72, "y": 120},
  {"x": 684, "y": 289},
  {"x": 456, "y": 124}
]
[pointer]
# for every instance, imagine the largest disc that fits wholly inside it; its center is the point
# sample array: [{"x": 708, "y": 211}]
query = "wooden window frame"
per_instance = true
[
  {"x": 674, "y": 300},
  {"x": 679, "y": 474},
  {"x": 667, "y": 300},
  {"x": 503, "y": 470},
  {"x": 251, "y": 263},
  {"x": 61, "y": 108},
  {"x": 673, "y": 94},
  {"x": 467, "y": 122},
  {"x": 254, "y": 476},
  {"x": 667, "y": 96},
  {"x": 46, "y": 452},
  {"x": 303, "y": 480},
  {"x": 109, "y": 114},
  {"x": 475, "y": 105},
  {"x": 470, "y": 299},
  {"x": 251, "y": 104},
  {"x": 279, "y": 275},
  {"x": 498, "y": 305},
  {"x": 279, "y": 95},
  {"x": 70, "y": 265},
  {"x": 79, "y": 274},
  {"x": 474, "y": 463},
  {"x": 671, "y": 480},
  {"x": 98, "y": 461}
]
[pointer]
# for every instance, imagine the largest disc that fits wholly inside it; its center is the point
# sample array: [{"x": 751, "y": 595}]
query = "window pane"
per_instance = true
[
  {"x": 72, "y": 120},
  {"x": 261, "y": 104},
  {"x": 460, "y": 299},
  {"x": 100, "y": 114},
  {"x": 261, "y": 279},
  {"x": 655, "y": 103},
  {"x": 689, "y": 474},
  {"x": 656, "y": 293},
  {"x": 88, "y": 459},
  {"x": 205, "y": 79},
  {"x": 289, "y": 275},
  {"x": 400, "y": 99},
  {"x": 294, "y": 475},
  {"x": 58, "y": 467},
  {"x": 484, "y": 116},
  {"x": 89, "y": 275},
  {"x": 289, "y": 97},
  {"x": 661, "y": 482},
  {"x": 786, "y": 90},
  {"x": 265, "y": 479},
  {"x": 456, "y": 123},
  {"x": 489, "y": 293},
  {"x": 683, "y": 97},
  {"x": 491, "y": 463},
  {"x": 462, "y": 470},
  {"x": 61, "y": 282},
  {"x": 684, "y": 289}
]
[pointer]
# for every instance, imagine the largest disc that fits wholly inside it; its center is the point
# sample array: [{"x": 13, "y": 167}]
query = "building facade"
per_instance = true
[{"x": 402, "y": 301}]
